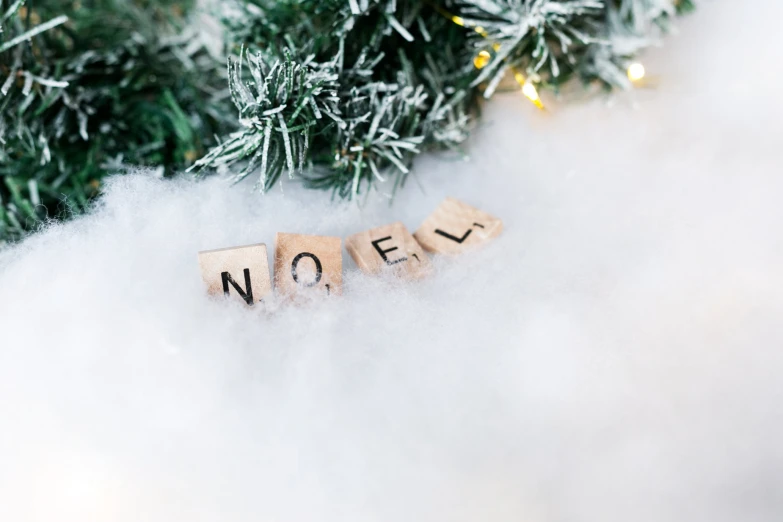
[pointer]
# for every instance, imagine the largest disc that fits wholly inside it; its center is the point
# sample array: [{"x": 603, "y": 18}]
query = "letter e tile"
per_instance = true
[{"x": 390, "y": 247}]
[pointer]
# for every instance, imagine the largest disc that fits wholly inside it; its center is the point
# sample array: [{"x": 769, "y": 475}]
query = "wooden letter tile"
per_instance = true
[
  {"x": 390, "y": 247},
  {"x": 241, "y": 272},
  {"x": 308, "y": 262},
  {"x": 455, "y": 227}
]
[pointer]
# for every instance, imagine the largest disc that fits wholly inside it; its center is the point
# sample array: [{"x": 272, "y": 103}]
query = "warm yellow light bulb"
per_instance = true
[
  {"x": 635, "y": 72},
  {"x": 482, "y": 59},
  {"x": 530, "y": 91}
]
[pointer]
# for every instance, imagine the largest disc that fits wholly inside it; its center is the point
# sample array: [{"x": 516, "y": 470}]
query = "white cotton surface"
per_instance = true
[{"x": 615, "y": 355}]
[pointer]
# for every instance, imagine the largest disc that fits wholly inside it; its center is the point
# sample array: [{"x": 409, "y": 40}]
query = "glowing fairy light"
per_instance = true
[
  {"x": 529, "y": 90},
  {"x": 482, "y": 59},
  {"x": 635, "y": 72}
]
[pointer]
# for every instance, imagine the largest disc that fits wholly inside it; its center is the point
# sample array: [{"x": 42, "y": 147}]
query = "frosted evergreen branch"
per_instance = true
[
  {"x": 94, "y": 88},
  {"x": 278, "y": 108},
  {"x": 342, "y": 93},
  {"x": 28, "y": 35}
]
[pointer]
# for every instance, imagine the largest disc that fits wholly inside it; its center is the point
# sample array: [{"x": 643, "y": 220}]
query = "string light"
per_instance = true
[
  {"x": 635, "y": 72},
  {"x": 483, "y": 58},
  {"x": 528, "y": 89},
  {"x": 456, "y": 19}
]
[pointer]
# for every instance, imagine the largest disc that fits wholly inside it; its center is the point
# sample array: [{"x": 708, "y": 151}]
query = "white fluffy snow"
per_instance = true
[{"x": 615, "y": 355}]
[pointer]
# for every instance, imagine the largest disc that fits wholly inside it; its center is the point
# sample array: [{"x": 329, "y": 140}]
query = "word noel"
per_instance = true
[{"x": 315, "y": 262}]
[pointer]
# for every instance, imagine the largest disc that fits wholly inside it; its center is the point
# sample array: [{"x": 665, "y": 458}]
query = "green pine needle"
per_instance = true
[{"x": 343, "y": 94}]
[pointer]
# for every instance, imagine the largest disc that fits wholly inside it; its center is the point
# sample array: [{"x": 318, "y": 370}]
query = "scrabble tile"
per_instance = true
[
  {"x": 308, "y": 263},
  {"x": 390, "y": 247},
  {"x": 455, "y": 227},
  {"x": 239, "y": 272}
]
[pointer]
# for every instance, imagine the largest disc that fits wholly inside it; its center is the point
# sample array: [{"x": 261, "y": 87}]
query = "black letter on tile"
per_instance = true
[
  {"x": 455, "y": 238},
  {"x": 383, "y": 252},
  {"x": 247, "y": 295},
  {"x": 318, "y": 268}
]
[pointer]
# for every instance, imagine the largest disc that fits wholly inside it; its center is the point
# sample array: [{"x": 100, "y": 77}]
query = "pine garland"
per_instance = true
[
  {"x": 355, "y": 90},
  {"x": 341, "y": 93},
  {"x": 89, "y": 87}
]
